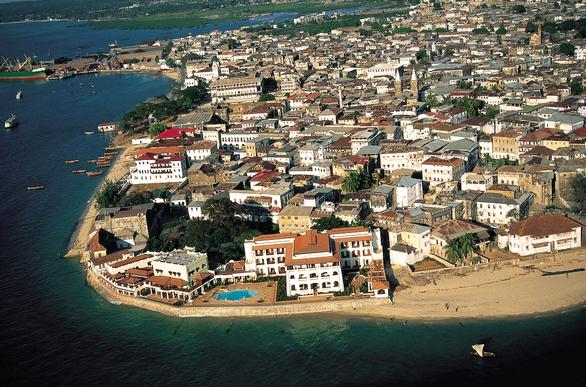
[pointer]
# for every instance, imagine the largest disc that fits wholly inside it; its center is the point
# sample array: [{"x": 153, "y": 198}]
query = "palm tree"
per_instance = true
[
  {"x": 467, "y": 244},
  {"x": 453, "y": 251},
  {"x": 351, "y": 183}
]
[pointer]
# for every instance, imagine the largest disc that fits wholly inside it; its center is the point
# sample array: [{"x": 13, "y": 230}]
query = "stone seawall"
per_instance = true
[{"x": 284, "y": 309}]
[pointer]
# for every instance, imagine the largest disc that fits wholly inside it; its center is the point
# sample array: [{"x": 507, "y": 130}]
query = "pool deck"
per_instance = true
[{"x": 267, "y": 292}]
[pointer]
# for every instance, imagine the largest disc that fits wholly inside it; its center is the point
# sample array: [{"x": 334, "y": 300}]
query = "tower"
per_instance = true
[
  {"x": 398, "y": 85},
  {"x": 340, "y": 99},
  {"x": 215, "y": 68},
  {"x": 414, "y": 85}
]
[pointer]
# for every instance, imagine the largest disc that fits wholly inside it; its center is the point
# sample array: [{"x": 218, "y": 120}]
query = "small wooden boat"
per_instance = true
[
  {"x": 71, "y": 161},
  {"x": 89, "y": 132},
  {"x": 94, "y": 173},
  {"x": 79, "y": 171},
  {"x": 35, "y": 187},
  {"x": 480, "y": 352},
  {"x": 92, "y": 161},
  {"x": 102, "y": 165}
]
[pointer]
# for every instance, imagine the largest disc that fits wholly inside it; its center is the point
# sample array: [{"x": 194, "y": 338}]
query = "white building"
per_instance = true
[
  {"x": 364, "y": 138},
  {"x": 498, "y": 210},
  {"x": 544, "y": 234},
  {"x": 195, "y": 210},
  {"x": 408, "y": 191},
  {"x": 200, "y": 150},
  {"x": 401, "y": 157},
  {"x": 241, "y": 89},
  {"x": 438, "y": 171},
  {"x": 471, "y": 181},
  {"x": 153, "y": 168},
  {"x": 182, "y": 264}
]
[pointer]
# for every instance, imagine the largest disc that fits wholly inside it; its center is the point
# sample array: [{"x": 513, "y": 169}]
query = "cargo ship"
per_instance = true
[
  {"x": 18, "y": 70},
  {"x": 22, "y": 75}
]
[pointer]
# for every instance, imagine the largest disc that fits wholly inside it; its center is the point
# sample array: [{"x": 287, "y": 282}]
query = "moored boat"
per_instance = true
[
  {"x": 92, "y": 161},
  {"x": 35, "y": 187},
  {"x": 11, "y": 122},
  {"x": 89, "y": 132},
  {"x": 72, "y": 161},
  {"x": 94, "y": 173},
  {"x": 19, "y": 94},
  {"x": 102, "y": 165},
  {"x": 79, "y": 171}
]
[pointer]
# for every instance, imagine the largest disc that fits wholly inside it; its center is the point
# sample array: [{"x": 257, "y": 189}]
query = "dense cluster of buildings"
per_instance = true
[{"x": 462, "y": 118}]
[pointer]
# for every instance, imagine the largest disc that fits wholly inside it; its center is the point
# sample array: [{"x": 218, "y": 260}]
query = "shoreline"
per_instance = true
[
  {"x": 521, "y": 291},
  {"x": 78, "y": 240}
]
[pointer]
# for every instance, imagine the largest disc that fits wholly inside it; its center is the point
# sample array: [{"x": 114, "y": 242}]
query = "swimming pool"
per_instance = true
[{"x": 236, "y": 295}]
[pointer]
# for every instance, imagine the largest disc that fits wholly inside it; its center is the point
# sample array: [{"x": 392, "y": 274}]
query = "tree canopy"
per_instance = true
[
  {"x": 578, "y": 186},
  {"x": 109, "y": 195},
  {"x": 333, "y": 221},
  {"x": 356, "y": 181},
  {"x": 567, "y": 49}
]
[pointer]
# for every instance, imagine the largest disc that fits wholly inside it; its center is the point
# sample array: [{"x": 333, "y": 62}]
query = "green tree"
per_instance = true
[
  {"x": 471, "y": 106},
  {"x": 109, "y": 195},
  {"x": 194, "y": 95},
  {"x": 481, "y": 31},
  {"x": 518, "y": 8},
  {"x": 156, "y": 128},
  {"x": 356, "y": 181},
  {"x": 453, "y": 251},
  {"x": 491, "y": 112},
  {"x": 266, "y": 97},
  {"x": 323, "y": 224},
  {"x": 136, "y": 198},
  {"x": 501, "y": 30},
  {"x": 222, "y": 212},
  {"x": 530, "y": 27},
  {"x": 576, "y": 87},
  {"x": 567, "y": 49},
  {"x": 513, "y": 214},
  {"x": 467, "y": 244}
]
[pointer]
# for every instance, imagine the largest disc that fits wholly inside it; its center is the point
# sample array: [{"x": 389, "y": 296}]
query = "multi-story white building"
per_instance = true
[
  {"x": 544, "y": 234},
  {"x": 152, "y": 168},
  {"x": 241, "y": 89},
  {"x": 438, "y": 171},
  {"x": 408, "y": 191},
  {"x": 498, "y": 210},
  {"x": 471, "y": 181},
  {"x": 312, "y": 262},
  {"x": 364, "y": 138},
  {"x": 401, "y": 157},
  {"x": 276, "y": 197},
  {"x": 201, "y": 150},
  {"x": 237, "y": 139},
  {"x": 182, "y": 264}
]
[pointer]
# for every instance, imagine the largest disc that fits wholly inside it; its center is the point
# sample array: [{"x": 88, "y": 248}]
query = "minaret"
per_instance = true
[
  {"x": 340, "y": 102},
  {"x": 215, "y": 68},
  {"x": 414, "y": 85},
  {"x": 398, "y": 85}
]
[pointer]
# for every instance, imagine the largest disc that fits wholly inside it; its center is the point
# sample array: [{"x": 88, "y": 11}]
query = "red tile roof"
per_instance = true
[{"x": 543, "y": 225}]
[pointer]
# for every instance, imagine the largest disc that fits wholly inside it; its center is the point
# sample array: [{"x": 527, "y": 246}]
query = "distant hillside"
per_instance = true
[{"x": 97, "y": 9}]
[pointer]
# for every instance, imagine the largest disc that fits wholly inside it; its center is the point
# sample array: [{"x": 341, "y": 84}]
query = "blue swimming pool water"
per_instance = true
[{"x": 236, "y": 295}]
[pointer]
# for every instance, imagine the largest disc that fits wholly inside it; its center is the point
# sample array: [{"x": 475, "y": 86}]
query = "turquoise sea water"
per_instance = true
[{"x": 54, "y": 330}]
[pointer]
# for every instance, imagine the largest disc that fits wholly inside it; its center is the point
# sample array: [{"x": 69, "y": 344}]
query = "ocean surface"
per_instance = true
[{"x": 54, "y": 330}]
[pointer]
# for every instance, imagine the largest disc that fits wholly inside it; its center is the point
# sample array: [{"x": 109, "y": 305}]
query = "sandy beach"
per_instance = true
[
  {"x": 118, "y": 169},
  {"x": 493, "y": 293}
]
